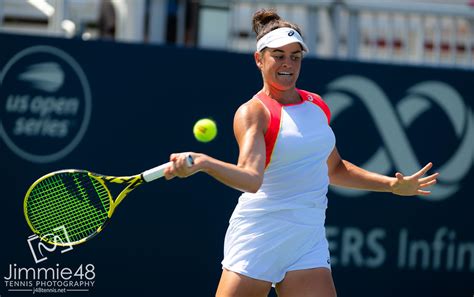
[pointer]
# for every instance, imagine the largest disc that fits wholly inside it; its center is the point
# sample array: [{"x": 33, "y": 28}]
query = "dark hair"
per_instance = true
[{"x": 266, "y": 20}]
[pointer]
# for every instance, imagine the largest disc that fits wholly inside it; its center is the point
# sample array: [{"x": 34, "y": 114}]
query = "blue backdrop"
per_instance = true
[{"x": 122, "y": 108}]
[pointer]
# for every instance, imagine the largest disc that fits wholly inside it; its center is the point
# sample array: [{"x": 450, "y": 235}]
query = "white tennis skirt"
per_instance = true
[{"x": 268, "y": 246}]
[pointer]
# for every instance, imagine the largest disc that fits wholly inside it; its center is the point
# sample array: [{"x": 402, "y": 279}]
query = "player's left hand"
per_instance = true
[{"x": 414, "y": 184}]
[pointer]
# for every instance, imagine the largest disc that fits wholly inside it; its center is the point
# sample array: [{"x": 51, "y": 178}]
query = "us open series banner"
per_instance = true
[{"x": 120, "y": 109}]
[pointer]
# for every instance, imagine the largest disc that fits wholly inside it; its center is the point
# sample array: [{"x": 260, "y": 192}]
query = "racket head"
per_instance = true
[{"x": 67, "y": 207}]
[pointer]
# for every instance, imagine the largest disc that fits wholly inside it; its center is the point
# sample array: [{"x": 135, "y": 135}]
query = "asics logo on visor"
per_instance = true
[{"x": 280, "y": 37}]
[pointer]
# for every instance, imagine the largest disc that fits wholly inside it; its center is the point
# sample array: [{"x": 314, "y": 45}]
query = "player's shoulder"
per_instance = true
[
  {"x": 253, "y": 107},
  {"x": 252, "y": 111}
]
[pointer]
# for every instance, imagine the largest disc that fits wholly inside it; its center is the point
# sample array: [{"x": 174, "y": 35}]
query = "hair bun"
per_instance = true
[{"x": 263, "y": 17}]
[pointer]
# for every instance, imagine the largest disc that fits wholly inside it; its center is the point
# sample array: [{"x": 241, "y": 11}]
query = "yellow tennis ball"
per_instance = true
[{"x": 205, "y": 130}]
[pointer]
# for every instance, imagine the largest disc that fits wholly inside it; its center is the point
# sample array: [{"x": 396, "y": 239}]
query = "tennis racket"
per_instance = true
[{"x": 69, "y": 207}]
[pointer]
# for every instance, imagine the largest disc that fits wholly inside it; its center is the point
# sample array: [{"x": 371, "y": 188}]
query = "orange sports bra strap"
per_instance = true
[
  {"x": 273, "y": 127},
  {"x": 316, "y": 99}
]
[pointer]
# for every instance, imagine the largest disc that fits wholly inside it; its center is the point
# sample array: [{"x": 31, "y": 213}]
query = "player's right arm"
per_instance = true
[{"x": 250, "y": 123}]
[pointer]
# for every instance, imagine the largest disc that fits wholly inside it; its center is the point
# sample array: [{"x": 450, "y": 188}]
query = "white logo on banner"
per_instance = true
[
  {"x": 45, "y": 104},
  {"x": 391, "y": 123},
  {"x": 47, "y": 77}
]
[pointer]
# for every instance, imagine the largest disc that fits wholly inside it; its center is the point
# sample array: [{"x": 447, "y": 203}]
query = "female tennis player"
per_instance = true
[{"x": 287, "y": 159}]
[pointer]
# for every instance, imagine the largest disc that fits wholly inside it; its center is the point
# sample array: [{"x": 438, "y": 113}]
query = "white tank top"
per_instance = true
[{"x": 298, "y": 142}]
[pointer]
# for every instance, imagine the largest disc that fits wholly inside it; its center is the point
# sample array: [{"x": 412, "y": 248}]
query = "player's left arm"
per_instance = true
[{"x": 345, "y": 174}]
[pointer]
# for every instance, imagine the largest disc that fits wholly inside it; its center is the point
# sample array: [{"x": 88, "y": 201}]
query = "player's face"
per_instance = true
[{"x": 281, "y": 66}]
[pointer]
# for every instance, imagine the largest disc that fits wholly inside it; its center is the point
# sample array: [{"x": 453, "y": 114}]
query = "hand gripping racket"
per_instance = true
[{"x": 69, "y": 207}]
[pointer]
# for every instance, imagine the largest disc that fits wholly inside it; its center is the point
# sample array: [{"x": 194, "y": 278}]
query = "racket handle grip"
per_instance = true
[{"x": 158, "y": 171}]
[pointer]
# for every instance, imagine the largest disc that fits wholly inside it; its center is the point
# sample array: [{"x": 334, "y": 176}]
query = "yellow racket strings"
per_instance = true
[{"x": 67, "y": 207}]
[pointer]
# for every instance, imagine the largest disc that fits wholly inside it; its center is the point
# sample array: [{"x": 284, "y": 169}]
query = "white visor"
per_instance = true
[{"x": 280, "y": 37}]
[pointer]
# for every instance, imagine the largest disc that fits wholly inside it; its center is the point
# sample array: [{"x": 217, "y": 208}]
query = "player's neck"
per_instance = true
[{"x": 289, "y": 96}]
